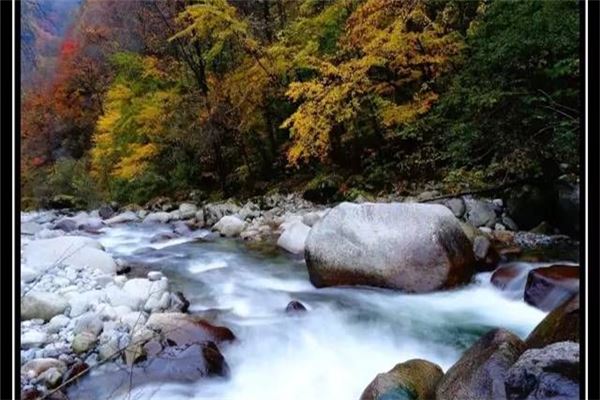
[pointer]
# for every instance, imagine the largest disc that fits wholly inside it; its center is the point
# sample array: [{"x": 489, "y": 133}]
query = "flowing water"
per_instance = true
[{"x": 333, "y": 351}]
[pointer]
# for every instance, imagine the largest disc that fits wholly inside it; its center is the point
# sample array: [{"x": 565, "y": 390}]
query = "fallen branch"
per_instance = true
[{"x": 480, "y": 191}]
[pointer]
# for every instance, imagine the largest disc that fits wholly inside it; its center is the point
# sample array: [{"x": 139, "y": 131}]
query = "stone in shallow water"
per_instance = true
[
  {"x": 548, "y": 287},
  {"x": 562, "y": 324},
  {"x": 410, "y": 380},
  {"x": 295, "y": 307}
]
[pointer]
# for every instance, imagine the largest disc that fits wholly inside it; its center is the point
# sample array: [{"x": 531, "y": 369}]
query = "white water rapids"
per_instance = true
[{"x": 333, "y": 351}]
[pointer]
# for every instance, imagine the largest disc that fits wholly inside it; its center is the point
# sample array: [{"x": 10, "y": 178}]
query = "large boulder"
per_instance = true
[
  {"x": 187, "y": 210},
  {"x": 549, "y": 287},
  {"x": 407, "y": 246},
  {"x": 548, "y": 373},
  {"x": 75, "y": 251},
  {"x": 480, "y": 372},
  {"x": 410, "y": 380},
  {"x": 42, "y": 305},
  {"x": 562, "y": 324},
  {"x": 293, "y": 238},
  {"x": 230, "y": 226}
]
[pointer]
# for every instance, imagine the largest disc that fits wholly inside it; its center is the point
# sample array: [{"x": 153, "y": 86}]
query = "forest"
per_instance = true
[{"x": 336, "y": 99}]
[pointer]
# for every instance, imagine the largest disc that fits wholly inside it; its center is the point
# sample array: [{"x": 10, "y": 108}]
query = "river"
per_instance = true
[{"x": 333, "y": 351}]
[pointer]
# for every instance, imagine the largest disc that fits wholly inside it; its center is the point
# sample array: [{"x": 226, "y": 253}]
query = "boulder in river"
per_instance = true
[
  {"x": 160, "y": 217},
  {"x": 406, "y": 246},
  {"x": 562, "y": 324},
  {"x": 295, "y": 307},
  {"x": 294, "y": 237},
  {"x": 480, "y": 213},
  {"x": 410, "y": 380},
  {"x": 127, "y": 216},
  {"x": 548, "y": 287},
  {"x": 551, "y": 372},
  {"x": 480, "y": 372},
  {"x": 212, "y": 213},
  {"x": 230, "y": 226},
  {"x": 486, "y": 255}
]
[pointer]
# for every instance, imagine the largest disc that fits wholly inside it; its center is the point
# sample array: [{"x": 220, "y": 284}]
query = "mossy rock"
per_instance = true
[
  {"x": 562, "y": 324},
  {"x": 411, "y": 380}
]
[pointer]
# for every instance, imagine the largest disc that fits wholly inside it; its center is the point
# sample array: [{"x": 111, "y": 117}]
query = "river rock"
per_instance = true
[
  {"x": 480, "y": 372},
  {"x": 512, "y": 277},
  {"x": 548, "y": 373},
  {"x": 293, "y": 238},
  {"x": 480, "y": 213},
  {"x": 38, "y": 366},
  {"x": 457, "y": 206},
  {"x": 160, "y": 217},
  {"x": 77, "y": 369},
  {"x": 410, "y": 380},
  {"x": 75, "y": 251},
  {"x": 230, "y": 226},
  {"x": 549, "y": 287},
  {"x": 561, "y": 324},
  {"x": 83, "y": 341},
  {"x": 57, "y": 323},
  {"x": 106, "y": 212},
  {"x": 187, "y": 210},
  {"x": 150, "y": 294},
  {"x": 124, "y": 217},
  {"x": 178, "y": 303},
  {"x": 33, "y": 338},
  {"x": 66, "y": 224},
  {"x": 485, "y": 254},
  {"x": 406, "y": 246},
  {"x": 311, "y": 218},
  {"x": 295, "y": 307},
  {"x": 184, "y": 329},
  {"x": 88, "y": 322},
  {"x": 214, "y": 212},
  {"x": 43, "y": 305}
]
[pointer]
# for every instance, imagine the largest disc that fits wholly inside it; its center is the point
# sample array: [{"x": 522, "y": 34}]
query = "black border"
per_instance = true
[
  {"x": 593, "y": 68},
  {"x": 6, "y": 294},
  {"x": 589, "y": 213}
]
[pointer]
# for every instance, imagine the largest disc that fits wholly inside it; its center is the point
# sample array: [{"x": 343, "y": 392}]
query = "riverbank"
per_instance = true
[{"x": 273, "y": 220}]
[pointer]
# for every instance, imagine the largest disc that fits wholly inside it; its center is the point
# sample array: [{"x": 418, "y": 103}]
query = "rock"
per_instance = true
[
  {"x": 83, "y": 341},
  {"x": 160, "y": 217},
  {"x": 187, "y": 210},
  {"x": 249, "y": 211},
  {"x": 200, "y": 218},
  {"x": 566, "y": 215},
  {"x": 485, "y": 254},
  {"x": 127, "y": 216},
  {"x": 499, "y": 227},
  {"x": 31, "y": 394},
  {"x": 457, "y": 206},
  {"x": 406, "y": 246},
  {"x": 88, "y": 322},
  {"x": 480, "y": 213},
  {"x": 229, "y": 226},
  {"x": 410, "y": 380},
  {"x": 57, "y": 323},
  {"x": 155, "y": 275},
  {"x": 74, "y": 251},
  {"x": 184, "y": 329},
  {"x": 134, "y": 320},
  {"x": 311, "y": 218},
  {"x": 43, "y": 305},
  {"x": 38, "y": 366},
  {"x": 33, "y": 338},
  {"x": 562, "y": 324},
  {"x": 106, "y": 212},
  {"x": 548, "y": 287},
  {"x": 428, "y": 195},
  {"x": 295, "y": 307},
  {"x": 175, "y": 215},
  {"x": 509, "y": 223},
  {"x": 293, "y": 238},
  {"x": 150, "y": 294},
  {"x": 212, "y": 213},
  {"x": 82, "y": 302},
  {"x": 66, "y": 224},
  {"x": 548, "y": 373},
  {"x": 480, "y": 372}
]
